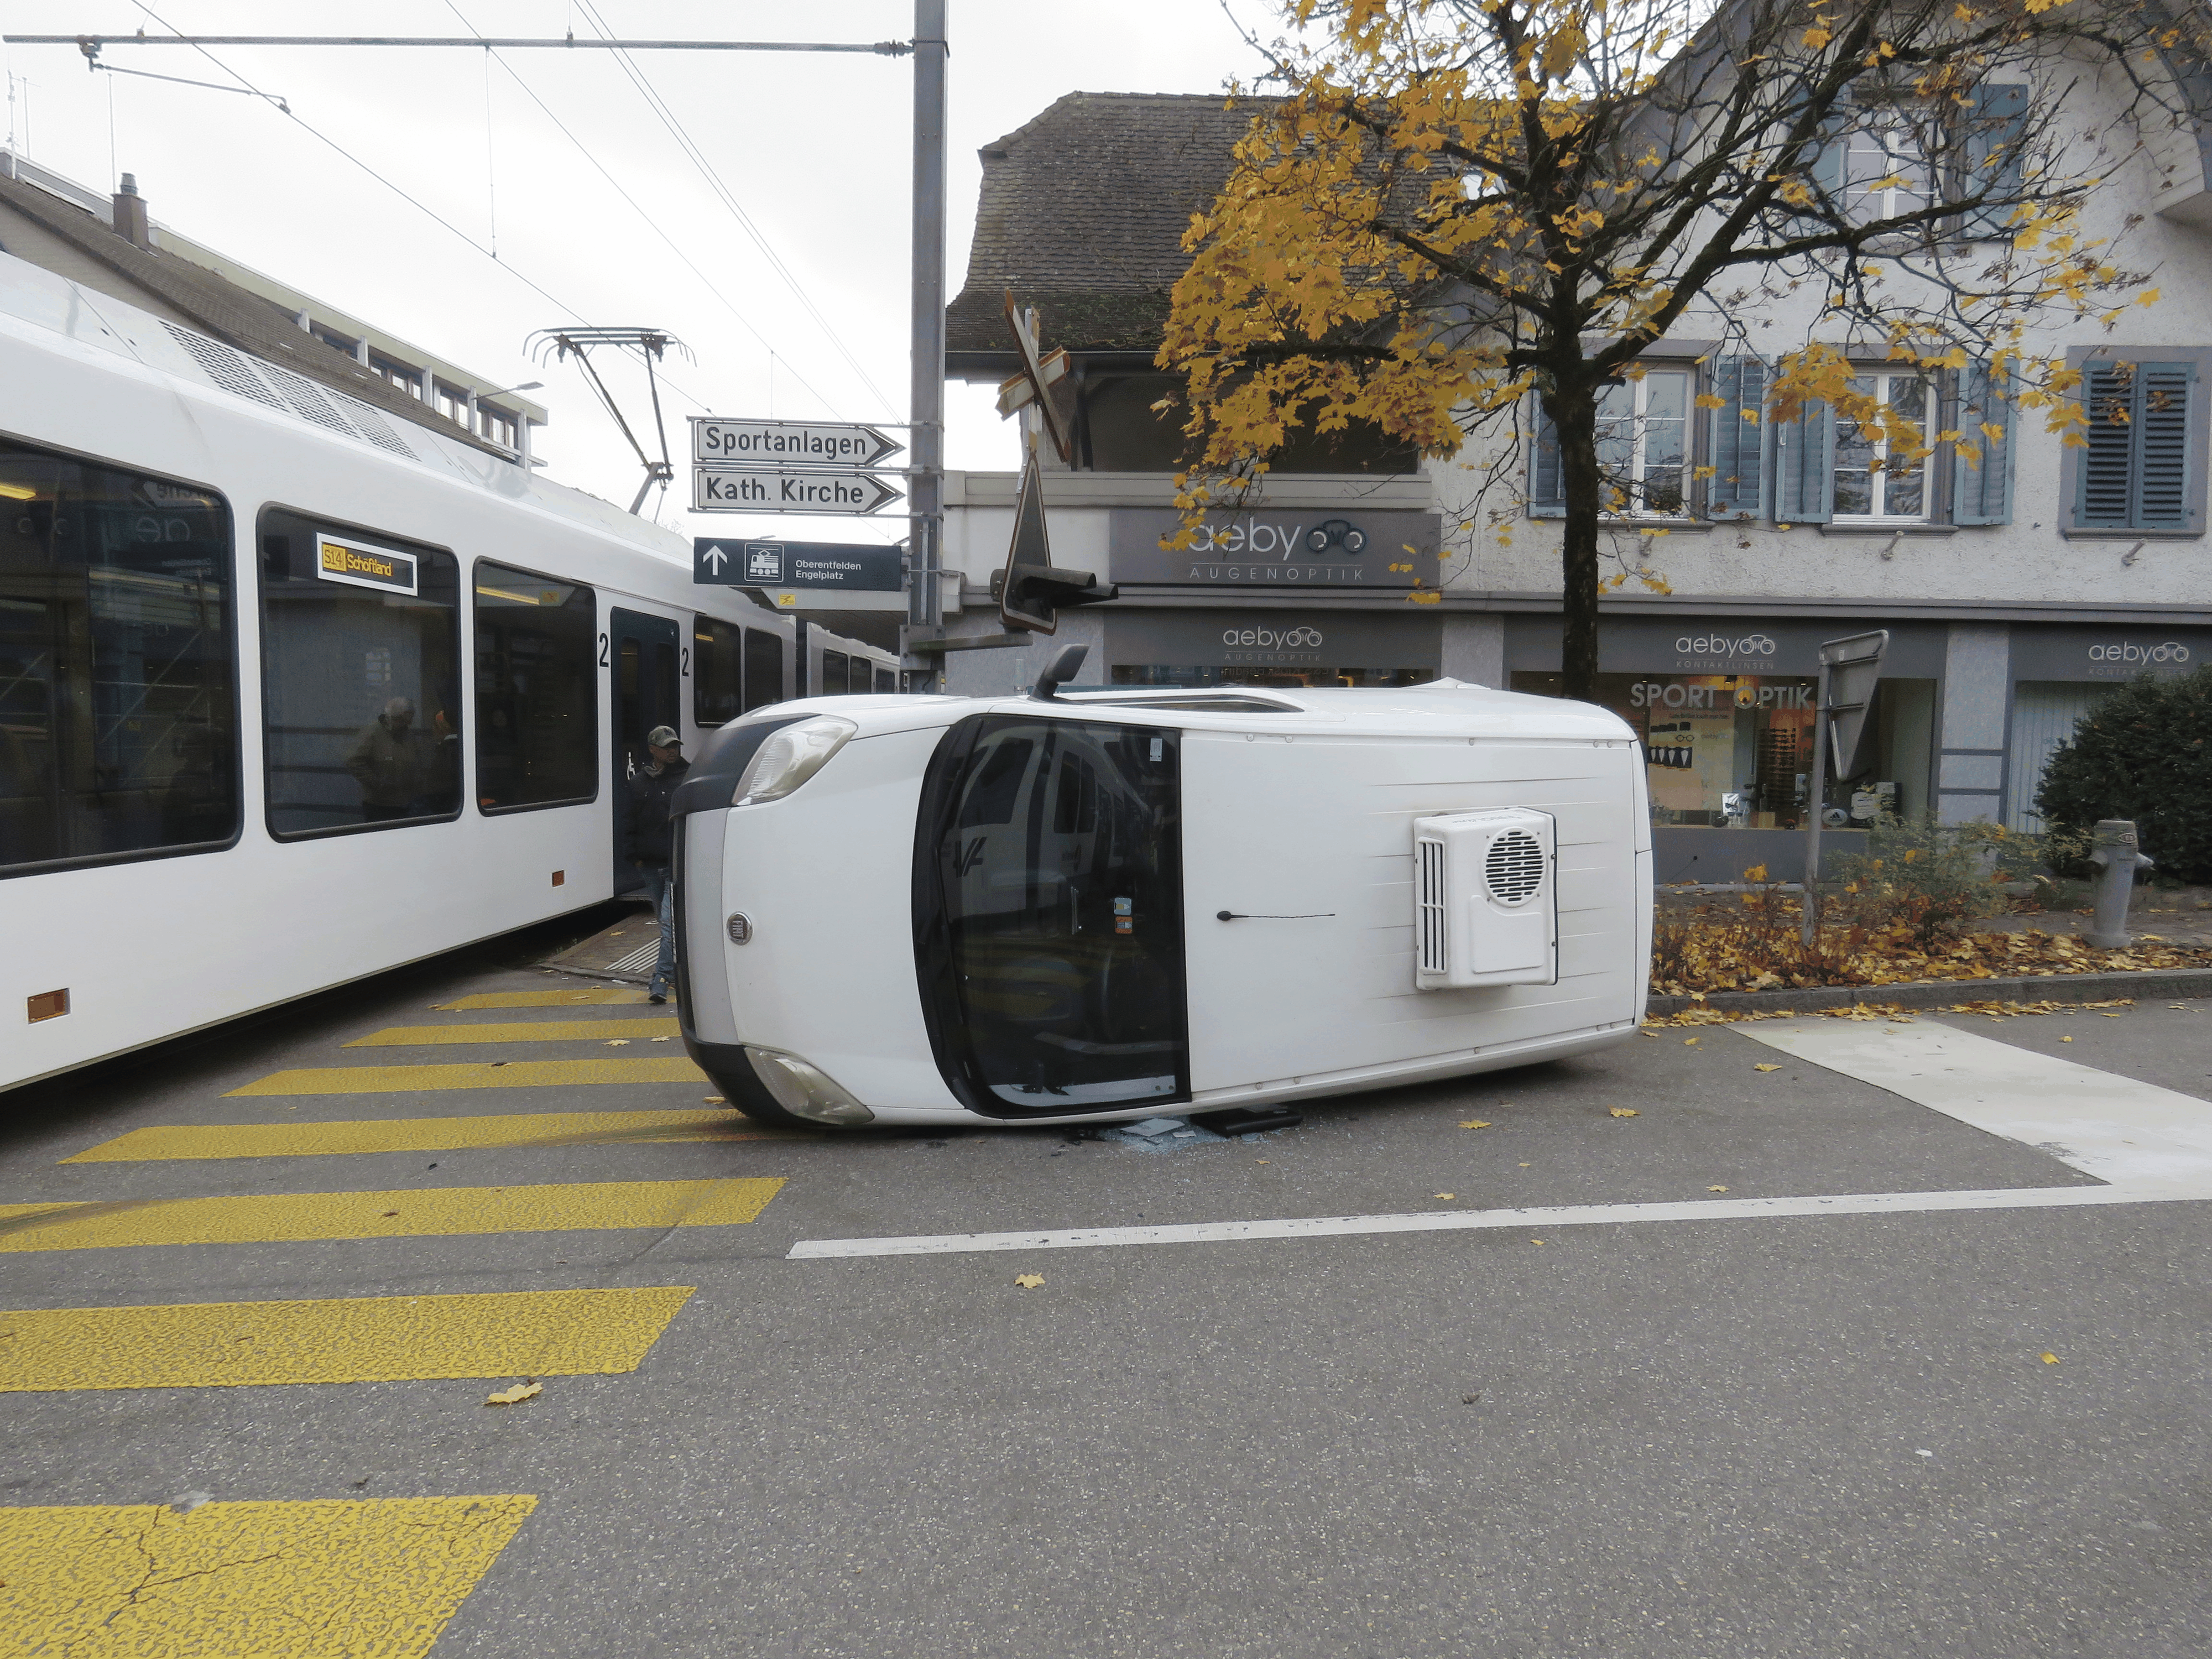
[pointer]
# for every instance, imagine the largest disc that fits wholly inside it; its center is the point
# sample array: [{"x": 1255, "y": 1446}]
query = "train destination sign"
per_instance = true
[
  {"x": 360, "y": 565},
  {"x": 788, "y": 443},
  {"x": 845, "y": 566},
  {"x": 789, "y": 489}
]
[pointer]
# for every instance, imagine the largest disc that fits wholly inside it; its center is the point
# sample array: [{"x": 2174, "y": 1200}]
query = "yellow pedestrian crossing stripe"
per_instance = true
[
  {"x": 580, "y": 997},
  {"x": 427, "y": 1134},
  {"x": 536, "y": 1030},
  {"x": 318, "y": 1578},
  {"x": 444, "y": 1211},
  {"x": 368, "y": 1339},
  {"x": 478, "y": 1074}
]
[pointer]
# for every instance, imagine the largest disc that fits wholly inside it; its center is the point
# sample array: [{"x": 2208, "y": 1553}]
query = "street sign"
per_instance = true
[
  {"x": 1854, "y": 666},
  {"x": 1056, "y": 422},
  {"x": 788, "y": 444},
  {"x": 790, "y": 489},
  {"x": 823, "y": 567},
  {"x": 1032, "y": 589}
]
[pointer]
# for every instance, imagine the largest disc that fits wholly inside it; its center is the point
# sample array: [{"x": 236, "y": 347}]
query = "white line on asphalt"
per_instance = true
[
  {"x": 1446, "y": 1221},
  {"x": 2114, "y": 1127}
]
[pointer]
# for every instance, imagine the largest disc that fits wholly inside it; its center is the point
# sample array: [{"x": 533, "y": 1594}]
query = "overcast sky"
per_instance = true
[{"x": 814, "y": 148}]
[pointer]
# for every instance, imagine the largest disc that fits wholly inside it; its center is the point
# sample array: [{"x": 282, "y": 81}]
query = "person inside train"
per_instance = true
[
  {"x": 648, "y": 843},
  {"x": 387, "y": 764}
]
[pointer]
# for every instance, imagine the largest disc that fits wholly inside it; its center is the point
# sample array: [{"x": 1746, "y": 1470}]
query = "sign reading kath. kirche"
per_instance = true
[{"x": 1275, "y": 549}]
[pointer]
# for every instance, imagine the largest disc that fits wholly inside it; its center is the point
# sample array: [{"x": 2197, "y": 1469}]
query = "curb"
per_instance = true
[{"x": 1942, "y": 993}]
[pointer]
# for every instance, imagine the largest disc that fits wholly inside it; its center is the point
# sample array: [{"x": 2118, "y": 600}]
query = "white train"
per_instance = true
[
  {"x": 291, "y": 693},
  {"x": 1119, "y": 904}
]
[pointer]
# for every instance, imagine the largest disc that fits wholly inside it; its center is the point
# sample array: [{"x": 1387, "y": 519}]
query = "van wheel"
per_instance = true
[{"x": 749, "y": 1100}]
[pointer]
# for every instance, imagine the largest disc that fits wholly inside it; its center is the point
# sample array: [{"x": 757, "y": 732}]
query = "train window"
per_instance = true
[
  {"x": 763, "y": 668},
  {"x": 119, "y": 725},
  {"x": 537, "y": 729},
  {"x": 835, "y": 674},
  {"x": 360, "y": 679},
  {"x": 1048, "y": 915},
  {"x": 886, "y": 681},
  {"x": 718, "y": 680}
]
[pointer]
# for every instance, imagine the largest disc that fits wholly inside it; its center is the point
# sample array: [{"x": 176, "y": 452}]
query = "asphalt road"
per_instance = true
[{"x": 1758, "y": 1437}]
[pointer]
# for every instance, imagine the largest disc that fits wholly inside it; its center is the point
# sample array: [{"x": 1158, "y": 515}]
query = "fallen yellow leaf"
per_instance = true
[
  {"x": 1622, "y": 1111},
  {"x": 1716, "y": 1189},
  {"x": 1535, "y": 1241},
  {"x": 1474, "y": 1123},
  {"x": 1030, "y": 1281},
  {"x": 1766, "y": 1068},
  {"x": 2066, "y": 1039},
  {"x": 516, "y": 1394},
  {"x": 618, "y": 1043},
  {"x": 713, "y": 1100},
  {"x": 1528, "y": 1166},
  {"x": 1447, "y": 1195},
  {"x": 1690, "y": 1042},
  {"x": 2051, "y": 1359}
]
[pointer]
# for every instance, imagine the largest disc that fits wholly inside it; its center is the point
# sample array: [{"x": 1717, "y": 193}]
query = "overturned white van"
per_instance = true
[{"x": 1120, "y": 904}]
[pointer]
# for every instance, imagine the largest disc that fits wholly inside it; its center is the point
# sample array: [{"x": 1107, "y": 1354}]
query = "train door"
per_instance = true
[{"x": 647, "y": 685}]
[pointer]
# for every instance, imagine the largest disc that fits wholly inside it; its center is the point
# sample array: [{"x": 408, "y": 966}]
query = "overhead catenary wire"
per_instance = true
[
  {"x": 653, "y": 225},
  {"x": 431, "y": 213},
  {"x": 698, "y": 158}
]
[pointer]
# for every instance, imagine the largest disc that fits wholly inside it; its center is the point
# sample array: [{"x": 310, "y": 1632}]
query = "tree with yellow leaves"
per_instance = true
[{"x": 1465, "y": 221}]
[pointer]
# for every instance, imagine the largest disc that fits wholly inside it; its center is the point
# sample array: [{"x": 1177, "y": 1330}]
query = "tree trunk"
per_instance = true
[{"x": 1574, "y": 418}]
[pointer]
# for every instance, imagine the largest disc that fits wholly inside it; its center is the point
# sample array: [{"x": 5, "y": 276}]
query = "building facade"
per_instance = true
[
  {"x": 111, "y": 245},
  {"x": 2013, "y": 593}
]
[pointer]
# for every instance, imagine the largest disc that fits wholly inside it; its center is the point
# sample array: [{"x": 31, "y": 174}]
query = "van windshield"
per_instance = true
[{"x": 1049, "y": 916}]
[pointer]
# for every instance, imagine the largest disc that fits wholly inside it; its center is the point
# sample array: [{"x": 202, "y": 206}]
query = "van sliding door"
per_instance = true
[{"x": 1049, "y": 916}]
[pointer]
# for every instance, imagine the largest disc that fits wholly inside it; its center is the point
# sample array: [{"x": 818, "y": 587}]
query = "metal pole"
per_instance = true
[
  {"x": 1815, "y": 788},
  {"x": 925, "y": 502}
]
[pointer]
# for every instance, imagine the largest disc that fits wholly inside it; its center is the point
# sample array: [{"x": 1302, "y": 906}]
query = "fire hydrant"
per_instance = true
[{"x": 2113, "y": 850}]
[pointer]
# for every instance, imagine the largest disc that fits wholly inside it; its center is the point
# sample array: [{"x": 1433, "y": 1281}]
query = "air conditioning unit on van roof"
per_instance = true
[{"x": 1485, "y": 907}]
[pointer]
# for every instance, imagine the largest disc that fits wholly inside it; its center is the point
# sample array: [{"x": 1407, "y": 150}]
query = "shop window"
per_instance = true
[
  {"x": 1883, "y": 468},
  {"x": 763, "y": 668},
  {"x": 2143, "y": 432},
  {"x": 2044, "y": 716},
  {"x": 1157, "y": 674},
  {"x": 718, "y": 680},
  {"x": 361, "y": 686},
  {"x": 117, "y": 687},
  {"x": 538, "y": 730},
  {"x": 1735, "y": 751}
]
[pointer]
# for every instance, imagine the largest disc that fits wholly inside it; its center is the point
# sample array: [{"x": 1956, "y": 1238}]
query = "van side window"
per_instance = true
[
  {"x": 537, "y": 725},
  {"x": 119, "y": 711},
  {"x": 360, "y": 678}
]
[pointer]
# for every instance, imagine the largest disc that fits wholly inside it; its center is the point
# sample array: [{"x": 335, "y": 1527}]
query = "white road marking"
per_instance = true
[
  {"x": 1448, "y": 1221},
  {"x": 2151, "y": 1145},
  {"x": 2113, "y": 1127}
]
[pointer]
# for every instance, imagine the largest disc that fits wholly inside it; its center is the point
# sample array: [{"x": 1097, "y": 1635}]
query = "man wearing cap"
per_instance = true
[{"x": 647, "y": 845}]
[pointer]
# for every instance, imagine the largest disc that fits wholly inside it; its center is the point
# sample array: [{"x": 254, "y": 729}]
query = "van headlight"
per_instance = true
[
  {"x": 804, "y": 1091},
  {"x": 791, "y": 755}
]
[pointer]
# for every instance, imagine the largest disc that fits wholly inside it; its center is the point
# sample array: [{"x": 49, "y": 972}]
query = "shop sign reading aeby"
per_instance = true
[
  {"x": 2129, "y": 654},
  {"x": 1306, "y": 547},
  {"x": 1282, "y": 646}
]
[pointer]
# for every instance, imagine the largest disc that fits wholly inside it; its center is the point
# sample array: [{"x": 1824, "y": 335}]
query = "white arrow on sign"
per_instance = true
[
  {"x": 788, "y": 489},
  {"x": 788, "y": 444},
  {"x": 714, "y": 560}
]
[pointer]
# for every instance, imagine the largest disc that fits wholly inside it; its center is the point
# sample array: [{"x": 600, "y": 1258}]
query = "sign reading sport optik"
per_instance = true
[{"x": 1272, "y": 550}]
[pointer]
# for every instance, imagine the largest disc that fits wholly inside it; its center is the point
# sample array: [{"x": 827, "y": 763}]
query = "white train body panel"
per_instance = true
[
  {"x": 148, "y": 946},
  {"x": 1297, "y": 820}
]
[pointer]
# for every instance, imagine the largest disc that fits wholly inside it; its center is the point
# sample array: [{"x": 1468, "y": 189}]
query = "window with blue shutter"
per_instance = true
[
  {"x": 1547, "y": 495},
  {"x": 1981, "y": 487},
  {"x": 1738, "y": 439},
  {"x": 1995, "y": 135},
  {"x": 1805, "y": 467},
  {"x": 2136, "y": 472}
]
